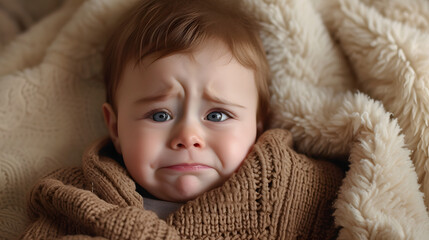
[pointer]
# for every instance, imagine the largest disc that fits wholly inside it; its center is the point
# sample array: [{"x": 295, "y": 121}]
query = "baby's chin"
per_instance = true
[{"x": 187, "y": 187}]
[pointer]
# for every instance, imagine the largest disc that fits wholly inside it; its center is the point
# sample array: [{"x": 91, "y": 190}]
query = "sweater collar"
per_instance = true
[{"x": 107, "y": 177}]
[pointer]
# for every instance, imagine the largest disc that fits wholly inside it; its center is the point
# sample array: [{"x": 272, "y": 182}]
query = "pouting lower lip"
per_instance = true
[{"x": 188, "y": 167}]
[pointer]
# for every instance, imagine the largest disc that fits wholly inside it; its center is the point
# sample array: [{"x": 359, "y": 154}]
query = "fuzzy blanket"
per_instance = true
[
  {"x": 350, "y": 81},
  {"x": 16, "y": 16}
]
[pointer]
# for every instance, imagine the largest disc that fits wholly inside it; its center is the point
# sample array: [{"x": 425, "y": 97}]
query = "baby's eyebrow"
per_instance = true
[{"x": 215, "y": 98}]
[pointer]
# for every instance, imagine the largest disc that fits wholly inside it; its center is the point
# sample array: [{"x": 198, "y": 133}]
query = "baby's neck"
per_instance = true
[{"x": 162, "y": 208}]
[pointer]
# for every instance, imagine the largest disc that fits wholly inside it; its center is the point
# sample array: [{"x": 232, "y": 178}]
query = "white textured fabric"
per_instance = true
[{"x": 350, "y": 78}]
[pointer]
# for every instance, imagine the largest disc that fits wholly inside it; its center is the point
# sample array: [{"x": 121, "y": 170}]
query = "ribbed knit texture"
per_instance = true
[{"x": 276, "y": 194}]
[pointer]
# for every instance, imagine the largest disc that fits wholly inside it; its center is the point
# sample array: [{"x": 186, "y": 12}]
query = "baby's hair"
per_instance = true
[{"x": 160, "y": 28}]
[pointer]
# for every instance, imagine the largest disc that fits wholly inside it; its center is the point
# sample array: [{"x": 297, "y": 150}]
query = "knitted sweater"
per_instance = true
[{"x": 276, "y": 194}]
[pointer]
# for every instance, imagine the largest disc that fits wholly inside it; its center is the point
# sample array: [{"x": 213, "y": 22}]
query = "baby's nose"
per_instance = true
[
  {"x": 186, "y": 144},
  {"x": 189, "y": 136}
]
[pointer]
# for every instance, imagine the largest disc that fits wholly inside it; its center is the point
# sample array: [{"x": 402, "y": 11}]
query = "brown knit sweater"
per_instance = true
[{"x": 276, "y": 194}]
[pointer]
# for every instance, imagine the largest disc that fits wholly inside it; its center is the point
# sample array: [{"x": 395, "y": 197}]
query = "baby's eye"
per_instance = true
[
  {"x": 217, "y": 116},
  {"x": 161, "y": 116}
]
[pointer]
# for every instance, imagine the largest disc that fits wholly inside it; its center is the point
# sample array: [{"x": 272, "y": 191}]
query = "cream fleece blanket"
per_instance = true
[
  {"x": 350, "y": 78},
  {"x": 16, "y": 16}
]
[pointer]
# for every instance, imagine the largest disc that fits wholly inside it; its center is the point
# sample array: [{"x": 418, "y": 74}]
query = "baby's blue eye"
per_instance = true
[
  {"x": 217, "y": 117},
  {"x": 161, "y": 116}
]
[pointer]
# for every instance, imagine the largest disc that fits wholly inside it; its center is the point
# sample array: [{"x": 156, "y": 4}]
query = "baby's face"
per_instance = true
[{"x": 185, "y": 123}]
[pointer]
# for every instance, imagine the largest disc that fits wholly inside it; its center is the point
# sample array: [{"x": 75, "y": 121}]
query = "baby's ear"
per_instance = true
[{"x": 111, "y": 122}]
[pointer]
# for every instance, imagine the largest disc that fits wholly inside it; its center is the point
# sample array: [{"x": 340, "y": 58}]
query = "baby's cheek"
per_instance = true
[
  {"x": 144, "y": 148},
  {"x": 151, "y": 146},
  {"x": 234, "y": 153}
]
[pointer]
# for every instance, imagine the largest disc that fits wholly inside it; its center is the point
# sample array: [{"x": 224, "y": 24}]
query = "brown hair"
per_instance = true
[{"x": 164, "y": 27}]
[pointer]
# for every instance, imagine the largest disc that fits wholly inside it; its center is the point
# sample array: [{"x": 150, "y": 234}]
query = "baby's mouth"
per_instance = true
[{"x": 188, "y": 167}]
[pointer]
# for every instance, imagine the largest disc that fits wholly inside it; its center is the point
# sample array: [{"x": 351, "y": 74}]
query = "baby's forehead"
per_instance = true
[
  {"x": 207, "y": 71},
  {"x": 212, "y": 60},
  {"x": 217, "y": 48}
]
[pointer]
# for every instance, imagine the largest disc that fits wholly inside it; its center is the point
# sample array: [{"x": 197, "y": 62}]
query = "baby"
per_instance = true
[
  {"x": 187, "y": 93},
  {"x": 187, "y": 97}
]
